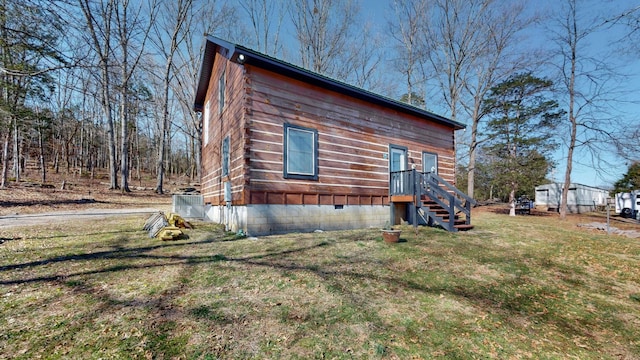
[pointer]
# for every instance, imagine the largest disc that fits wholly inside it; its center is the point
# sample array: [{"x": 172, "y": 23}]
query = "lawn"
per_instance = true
[{"x": 523, "y": 287}]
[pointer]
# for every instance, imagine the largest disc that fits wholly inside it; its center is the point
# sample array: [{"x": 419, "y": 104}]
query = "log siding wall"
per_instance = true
[
  {"x": 229, "y": 122},
  {"x": 353, "y": 137},
  {"x": 353, "y": 141}
]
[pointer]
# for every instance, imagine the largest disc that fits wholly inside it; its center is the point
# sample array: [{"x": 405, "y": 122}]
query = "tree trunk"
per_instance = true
[
  {"x": 16, "y": 151},
  {"x": 103, "y": 51},
  {"x": 471, "y": 172},
  {"x": 123, "y": 30},
  {"x": 124, "y": 145},
  {"x": 198, "y": 151},
  {"x": 113, "y": 163},
  {"x": 573, "y": 40},
  {"x": 43, "y": 166},
  {"x": 164, "y": 125},
  {"x": 5, "y": 160},
  {"x": 512, "y": 201},
  {"x": 56, "y": 162},
  {"x": 137, "y": 145},
  {"x": 82, "y": 144},
  {"x": 569, "y": 168}
]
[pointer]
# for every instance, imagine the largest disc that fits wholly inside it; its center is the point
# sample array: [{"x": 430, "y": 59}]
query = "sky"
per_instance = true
[{"x": 601, "y": 169}]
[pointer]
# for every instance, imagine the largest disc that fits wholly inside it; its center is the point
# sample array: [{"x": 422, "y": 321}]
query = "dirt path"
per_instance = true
[
  {"x": 7, "y": 221},
  {"x": 634, "y": 234}
]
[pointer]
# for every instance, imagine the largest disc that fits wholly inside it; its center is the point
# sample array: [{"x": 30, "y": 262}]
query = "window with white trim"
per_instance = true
[
  {"x": 430, "y": 162},
  {"x": 300, "y": 153}
]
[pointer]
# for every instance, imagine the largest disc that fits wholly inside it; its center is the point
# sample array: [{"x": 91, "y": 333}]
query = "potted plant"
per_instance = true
[{"x": 389, "y": 234}]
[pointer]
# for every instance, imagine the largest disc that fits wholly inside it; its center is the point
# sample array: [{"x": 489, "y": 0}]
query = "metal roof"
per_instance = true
[{"x": 233, "y": 51}]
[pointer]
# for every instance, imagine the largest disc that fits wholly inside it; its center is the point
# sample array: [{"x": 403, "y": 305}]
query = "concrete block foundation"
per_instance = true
[{"x": 259, "y": 220}]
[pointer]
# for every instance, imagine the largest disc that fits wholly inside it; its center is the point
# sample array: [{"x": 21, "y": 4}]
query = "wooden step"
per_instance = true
[
  {"x": 456, "y": 221},
  {"x": 463, "y": 227},
  {"x": 434, "y": 207},
  {"x": 445, "y": 216},
  {"x": 440, "y": 211}
]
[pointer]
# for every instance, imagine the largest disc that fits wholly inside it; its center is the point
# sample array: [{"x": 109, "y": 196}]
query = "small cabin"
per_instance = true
[
  {"x": 285, "y": 149},
  {"x": 580, "y": 198}
]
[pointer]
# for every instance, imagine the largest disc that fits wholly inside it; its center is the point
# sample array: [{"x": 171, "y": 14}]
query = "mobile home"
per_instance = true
[{"x": 580, "y": 198}]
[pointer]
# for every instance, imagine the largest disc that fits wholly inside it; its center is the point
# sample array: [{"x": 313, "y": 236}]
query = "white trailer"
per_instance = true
[
  {"x": 628, "y": 204},
  {"x": 581, "y": 198}
]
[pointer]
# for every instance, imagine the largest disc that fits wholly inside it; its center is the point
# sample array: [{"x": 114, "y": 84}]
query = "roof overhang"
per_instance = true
[{"x": 242, "y": 55}]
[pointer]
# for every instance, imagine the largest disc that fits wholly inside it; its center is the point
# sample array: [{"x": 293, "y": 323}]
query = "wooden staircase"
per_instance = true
[
  {"x": 432, "y": 201},
  {"x": 440, "y": 215}
]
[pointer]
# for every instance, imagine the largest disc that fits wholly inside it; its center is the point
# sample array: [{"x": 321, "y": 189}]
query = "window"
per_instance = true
[
  {"x": 205, "y": 121},
  {"x": 221, "y": 82},
  {"x": 300, "y": 153},
  {"x": 430, "y": 162},
  {"x": 226, "y": 157}
]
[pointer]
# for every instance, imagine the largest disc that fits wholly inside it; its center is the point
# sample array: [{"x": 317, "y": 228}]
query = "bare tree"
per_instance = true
[
  {"x": 469, "y": 46},
  {"x": 496, "y": 59},
  {"x": 27, "y": 55},
  {"x": 132, "y": 30},
  {"x": 169, "y": 33},
  {"x": 323, "y": 29},
  {"x": 362, "y": 61},
  {"x": 98, "y": 18},
  {"x": 117, "y": 31},
  {"x": 407, "y": 29},
  {"x": 627, "y": 146},
  {"x": 266, "y": 18},
  {"x": 186, "y": 69},
  {"x": 587, "y": 82}
]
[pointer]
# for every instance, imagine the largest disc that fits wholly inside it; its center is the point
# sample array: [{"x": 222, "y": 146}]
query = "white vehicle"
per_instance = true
[{"x": 628, "y": 204}]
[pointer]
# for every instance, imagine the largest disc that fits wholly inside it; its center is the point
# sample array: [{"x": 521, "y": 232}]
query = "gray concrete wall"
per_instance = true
[
  {"x": 257, "y": 220},
  {"x": 234, "y": 217}
]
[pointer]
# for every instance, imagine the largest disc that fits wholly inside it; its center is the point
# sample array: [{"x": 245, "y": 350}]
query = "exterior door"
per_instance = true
[{"x": 397, "y": 162}]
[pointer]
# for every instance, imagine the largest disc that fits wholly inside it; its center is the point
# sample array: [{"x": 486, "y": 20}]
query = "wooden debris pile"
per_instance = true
[{"x": 166, "y": 226}]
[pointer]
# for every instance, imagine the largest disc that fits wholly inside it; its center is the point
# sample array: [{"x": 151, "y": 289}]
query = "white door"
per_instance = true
[
  {"x": 397, "y": 162},
  {"x": 398, "y": 159}
]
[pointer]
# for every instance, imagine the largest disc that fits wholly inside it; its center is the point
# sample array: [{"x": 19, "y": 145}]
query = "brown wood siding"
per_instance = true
[
  {"x": 353, "y": 137},
  {"x": 228, "y": 123}
]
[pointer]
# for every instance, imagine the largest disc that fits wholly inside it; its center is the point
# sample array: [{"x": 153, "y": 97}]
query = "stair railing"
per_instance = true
[
  {"x": 412, "y": 182},
  {"x": 448, "y": 197},
  {"x": 402, "y": 183}
]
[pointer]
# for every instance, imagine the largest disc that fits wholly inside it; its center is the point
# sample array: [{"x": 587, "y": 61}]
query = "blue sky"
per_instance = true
[{"x": 601, "y": 168}]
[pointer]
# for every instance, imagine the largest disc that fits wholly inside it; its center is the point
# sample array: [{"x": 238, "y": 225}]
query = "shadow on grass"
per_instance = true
[
  {"x": 62, "y": 236},
  {"x": 5, "y": 239},
  {"x": 122, "y": 253},
  {"x": 532, "y": 303}
]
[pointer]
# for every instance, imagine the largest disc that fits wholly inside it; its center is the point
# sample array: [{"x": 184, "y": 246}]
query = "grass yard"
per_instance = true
[{"x": 523, "y": 287}]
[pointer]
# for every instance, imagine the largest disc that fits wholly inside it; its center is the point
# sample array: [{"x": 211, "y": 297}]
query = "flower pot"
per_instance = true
[{"x": 391, "y": 236}]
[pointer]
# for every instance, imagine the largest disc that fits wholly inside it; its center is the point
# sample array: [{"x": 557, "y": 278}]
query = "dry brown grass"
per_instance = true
[{"x": 524, "y": 287}]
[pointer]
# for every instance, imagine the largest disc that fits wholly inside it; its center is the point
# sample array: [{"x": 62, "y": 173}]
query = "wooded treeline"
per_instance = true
[{"x": 109, "y": 84}]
